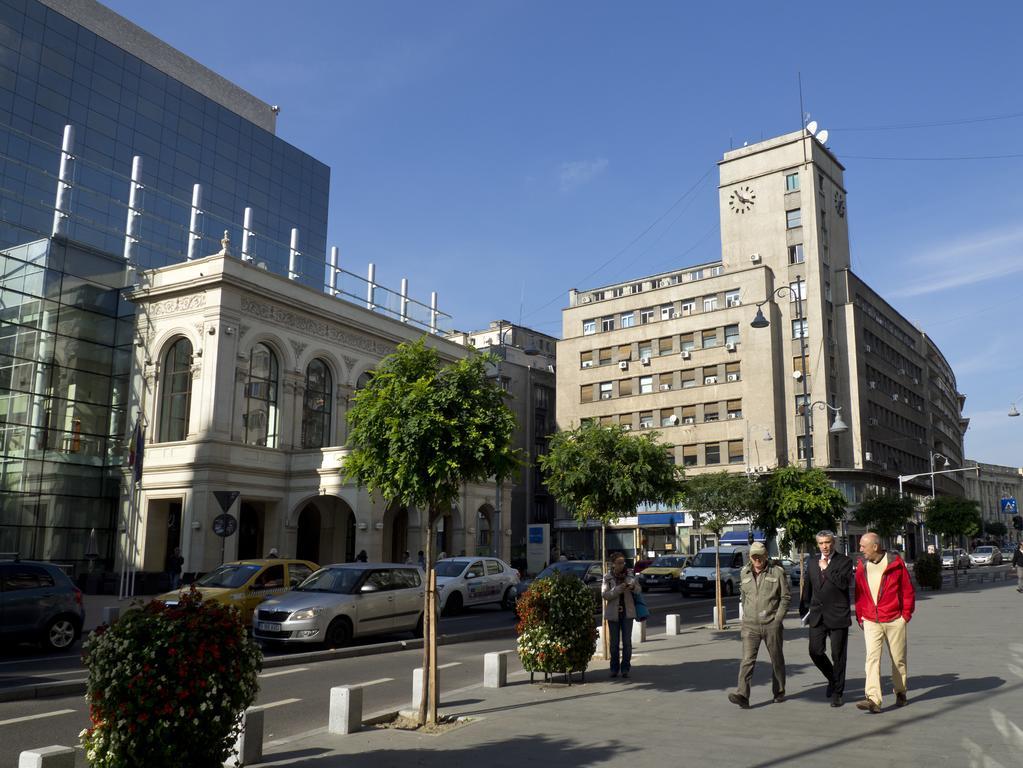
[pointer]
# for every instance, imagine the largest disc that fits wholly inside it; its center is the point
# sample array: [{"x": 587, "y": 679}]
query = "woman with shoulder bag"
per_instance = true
[{"x": 619, "y": 591}]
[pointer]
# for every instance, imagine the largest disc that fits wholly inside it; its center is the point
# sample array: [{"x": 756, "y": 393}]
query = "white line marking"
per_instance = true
[
  {"x": 450, "y": 664},
  {"x": 291, "y": 671},
  {"x": 30, "y": 660},
  {"x": 280, "y": 703},
  {"x": 373, "y": 682},
  {"x": 37, "y": 717}
]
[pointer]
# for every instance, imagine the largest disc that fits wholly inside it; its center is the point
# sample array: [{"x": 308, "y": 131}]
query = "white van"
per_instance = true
[{"x": 698, "y": 578}]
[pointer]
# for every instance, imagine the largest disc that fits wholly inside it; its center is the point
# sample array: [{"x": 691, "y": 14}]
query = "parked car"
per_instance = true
[
  {"x": 664, "y": 572},
  {"x": 641, "y": 565},
  {"x": 699, "y": 577},
  {"x": 590, "y": 571},
  {"x": 39, "y": 603},
  {"x": 471, "y": 581},
  {"x": 247, "y": 583},
  {"x": 1007, "y": 554},
  {"x": 986, "y": 555},
  {"x": 949, "y": 558},
  {"x": 339, "y": 602},
  {"x": 792, "y": 568}
]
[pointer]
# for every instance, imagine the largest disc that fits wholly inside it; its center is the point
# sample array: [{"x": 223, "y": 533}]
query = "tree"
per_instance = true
[
  {"x": 885, "y": 513},
  {"x": 996, "y": 528},
  {"x": 418, "y": 432},
  {"x": 716, "y": 500},
  {"x": 953, "y": 517},
  {"x": 602, "y": 473},
  {"x": 801, "y": 502}
]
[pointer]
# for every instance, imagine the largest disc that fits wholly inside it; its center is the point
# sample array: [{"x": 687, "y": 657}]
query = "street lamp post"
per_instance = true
[
  {"x": 931, "y": 474},
  {"x": 1013, "y": 410},
  {"x": 762, "y": 322},
  {"x": 497, "y": 532}
]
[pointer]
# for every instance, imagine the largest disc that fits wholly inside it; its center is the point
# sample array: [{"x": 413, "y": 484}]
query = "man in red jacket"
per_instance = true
[{"x": 884, "y": 605}]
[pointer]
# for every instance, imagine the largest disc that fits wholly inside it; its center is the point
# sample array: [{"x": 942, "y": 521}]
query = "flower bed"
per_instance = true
[
  {"x": 556, "y": 628},
  {"x": 168, "y": 685}
]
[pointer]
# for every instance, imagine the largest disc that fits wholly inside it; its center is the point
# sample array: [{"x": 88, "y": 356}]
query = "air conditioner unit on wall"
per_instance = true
[
  {"x": 866, "y": 348},
  {"x": 734, "y": 415},
  {"x": 730, "y": 346},
  {"x": 665, "y": 387},
  {"x": 673, "y": 419},
  {"x": 755, "y": 258},
  {"x": 585, "y": 299},
  {"x": 710, "y": 379},
  {"x": 644, "y": 361},
  {"x": 895, "y": 396},
  {"x": 623, "y": 365},
  {"x": 732, "y": 377},
  {"x": 605, "y": 395},
  {"x": 686, "y": 354},
  {"x": 872, "y": 384}
]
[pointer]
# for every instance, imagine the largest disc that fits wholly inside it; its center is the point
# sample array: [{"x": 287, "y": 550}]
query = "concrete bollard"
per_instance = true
[
  {"x": 346, "y": 709},
  {"x": 714, "y": 616},
  {"x": 47, "y": 757},
  {"x": 111, "y": 614},
  {"x": 417, "y": 687},
  {"x": 638, "y": 632},
  {"x": 495, "y": 669},
  {"x": 250, "y": 740},
  {"x": 673, "y": 624}
]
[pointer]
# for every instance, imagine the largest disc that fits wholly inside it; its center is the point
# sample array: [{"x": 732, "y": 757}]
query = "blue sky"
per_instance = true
[{"x": 499, "y": 152}]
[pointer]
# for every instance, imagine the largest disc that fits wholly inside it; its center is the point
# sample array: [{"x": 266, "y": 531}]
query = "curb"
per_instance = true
[{"x": 78, "y": 687}]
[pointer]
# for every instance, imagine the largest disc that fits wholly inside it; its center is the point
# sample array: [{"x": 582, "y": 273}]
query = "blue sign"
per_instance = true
[
  {"x": 1009, "y": 506},
  {"x": 535, "y": 534}
]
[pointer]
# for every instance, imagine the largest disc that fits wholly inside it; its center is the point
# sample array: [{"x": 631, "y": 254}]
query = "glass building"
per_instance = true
[{"x": 66, "y": 332}]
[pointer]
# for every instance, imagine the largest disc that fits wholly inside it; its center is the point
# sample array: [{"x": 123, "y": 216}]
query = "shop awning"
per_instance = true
[
  {"x": 742, "y": 537},
  {"x": 661, "y": 518}
]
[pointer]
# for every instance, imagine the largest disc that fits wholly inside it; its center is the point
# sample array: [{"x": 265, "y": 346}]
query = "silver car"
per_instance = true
[
  {"x": 341, "y": 602},
  {"x": 986, "y": 555},
  {"x": 469, "y": 581},
  {"x": 955, "y": 558}
]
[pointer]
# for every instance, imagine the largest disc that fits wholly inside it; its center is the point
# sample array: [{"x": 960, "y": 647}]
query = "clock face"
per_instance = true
[
  {"x": 839, "y": 204},
  {"x": 741, "y": 199}
]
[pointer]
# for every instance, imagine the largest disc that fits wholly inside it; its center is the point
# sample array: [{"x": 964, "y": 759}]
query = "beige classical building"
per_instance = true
[
  {"x": 677, "y": 352},
  {"x": 989, "y": 485},
  {"x": 247, "y": 377}
]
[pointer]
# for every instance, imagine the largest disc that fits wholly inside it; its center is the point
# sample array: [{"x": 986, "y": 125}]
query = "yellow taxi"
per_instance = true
[
  {"x": 664, "y": 572},
  {"x": 246, "y": 583}
]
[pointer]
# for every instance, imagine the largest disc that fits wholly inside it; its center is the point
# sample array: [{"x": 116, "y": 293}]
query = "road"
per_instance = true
[{"x": 295, "y": 697}]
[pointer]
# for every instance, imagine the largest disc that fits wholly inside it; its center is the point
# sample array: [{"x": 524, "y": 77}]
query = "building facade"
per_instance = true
[
  {"x": 988, "y": 486},
  {"x": 679, "y": 352}
]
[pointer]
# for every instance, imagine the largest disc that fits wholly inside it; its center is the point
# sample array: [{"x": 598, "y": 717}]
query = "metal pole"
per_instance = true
[{"x": 807, "y": 437}]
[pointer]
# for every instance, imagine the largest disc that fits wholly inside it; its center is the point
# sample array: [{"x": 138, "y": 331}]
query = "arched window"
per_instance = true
[
  {"x": 260, "y": 417},
  {"x": 176, "y": 391},
  {"x": 316, "y": 408}
]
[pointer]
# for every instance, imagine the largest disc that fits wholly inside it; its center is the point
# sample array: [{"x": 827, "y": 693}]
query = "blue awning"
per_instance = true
[
  {"x": 662, "y": 518},
  {"x": 742, "y": 537}
]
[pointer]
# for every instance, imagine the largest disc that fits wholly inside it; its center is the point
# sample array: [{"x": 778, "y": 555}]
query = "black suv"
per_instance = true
[{"x": 39, "y": 603}]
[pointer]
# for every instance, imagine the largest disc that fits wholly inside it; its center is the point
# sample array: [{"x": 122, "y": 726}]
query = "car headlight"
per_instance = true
[{"x": 306, "y": 613}]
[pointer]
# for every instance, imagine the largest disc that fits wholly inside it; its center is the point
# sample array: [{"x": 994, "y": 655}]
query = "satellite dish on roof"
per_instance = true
[
  {"x": 822, "y": 137},
  {"x": 811, "y": 127}
]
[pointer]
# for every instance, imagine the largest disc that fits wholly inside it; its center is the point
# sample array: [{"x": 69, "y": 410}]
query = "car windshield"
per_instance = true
[
  {"x": 450, "y": 567},
  {"x": 983, "y": 550},
  {"x": 947, "y": 553},
  {"x": 340, "y": 581},
  {"x": 706, "y": 560},
  {"x": 667, "y": 562},
  {"x": 574, "y": 569},
  {"x": 229, "y": 576}
]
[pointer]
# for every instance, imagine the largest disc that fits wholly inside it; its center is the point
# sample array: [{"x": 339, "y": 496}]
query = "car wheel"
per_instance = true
[
  {"x": 508, "y": 602},
  {"x": 454, "y": 604},
  {"x": 729, "y": 589},
  {"x": 339, "y": 633},
  {"x": 61, "y": 633},
  {"x": 418, "y": 631}
]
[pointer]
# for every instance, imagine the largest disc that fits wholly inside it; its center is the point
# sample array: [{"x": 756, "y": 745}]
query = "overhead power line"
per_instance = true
[
  {"x": 937, "y": 158},
  {"x": 932, "y": 124}
]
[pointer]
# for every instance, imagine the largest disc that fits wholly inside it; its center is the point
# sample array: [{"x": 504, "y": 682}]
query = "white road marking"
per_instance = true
[
  {"x": 373, "y": 682},
  {"x": 12, "y": 721},
  {"x": 291, "y": 671},
  {"x": 51, "y": 658},
  {"x": 280, "y": 703},
  {"x": 450, "y": 664}
]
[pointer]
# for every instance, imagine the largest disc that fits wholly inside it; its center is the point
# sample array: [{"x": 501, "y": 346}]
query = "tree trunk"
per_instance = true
[
  {"x": 603, "y": 558},
  {"x": 429, "y": 618}
]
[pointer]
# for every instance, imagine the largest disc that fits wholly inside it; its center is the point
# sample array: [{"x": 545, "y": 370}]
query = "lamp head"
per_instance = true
[
  {"x": 838, "y": 426},
  {"x": 760, "y": 321},
  {"x": 1013, "y": 411},
  {"x": 767, "y": 436}
]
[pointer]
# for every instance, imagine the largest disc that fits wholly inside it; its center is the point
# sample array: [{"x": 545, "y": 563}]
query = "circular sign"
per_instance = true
[{"x": 225, "y": 525}]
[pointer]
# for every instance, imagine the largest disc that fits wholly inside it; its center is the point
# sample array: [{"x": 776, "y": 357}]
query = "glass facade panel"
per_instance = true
[
  {"x": 176, "y": 392},
  {"x": 316, "y": 410},
  {"x": 260, "y": 418}
]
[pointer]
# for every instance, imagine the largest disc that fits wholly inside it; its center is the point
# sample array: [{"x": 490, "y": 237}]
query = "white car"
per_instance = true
[{"x": 465, "y": 581}]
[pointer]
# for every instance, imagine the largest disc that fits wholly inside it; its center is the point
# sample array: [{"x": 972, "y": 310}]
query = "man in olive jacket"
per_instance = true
[{"x": 765, "y": 599}]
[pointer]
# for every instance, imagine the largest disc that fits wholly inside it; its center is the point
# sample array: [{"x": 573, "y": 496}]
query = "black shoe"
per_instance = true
[
  {"x": 900, "y": 699},
  {"x": 779, "y": 698},
  {"x": 625, "y": 674},
  {"x": 740, "y": 701},
  {"x": 830, "y": 692},
  {"x": 868, "y": 706},
  {"x": 836, "y": 700},
  {"x": 614, "y": 674}
]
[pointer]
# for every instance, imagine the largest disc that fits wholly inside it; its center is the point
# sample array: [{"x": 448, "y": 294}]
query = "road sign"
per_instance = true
[
  {"x": 226, "y": 499},
  {"x": 1009, "y": 506},
  {"x": 225, "y": 525}
]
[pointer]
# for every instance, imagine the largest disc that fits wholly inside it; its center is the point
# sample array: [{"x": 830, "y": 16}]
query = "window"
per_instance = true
[
  {"x": 664, "y": 381},
  {"x": 711, "y": 412},
  {"x": 586, "y": 393},
  {"x": 260, "y": 417},
  {"x": 646, "y": 315},
  {"x": 710, "y": 303},
  {"x": 637, "y": 287},
  {"x": 624, "y": 387},
  {"x": 733, "y": 299},
  {"x": 494, "y": 567},
  {"x": 646, "y": 420},
  {"x": 688, "y": 307},
  {"x": 731, "y": 334},
  {"x": 801, "y": 402},
  {"x": 827, "y": 290},
  {"x": 734, "y": 408},
  {"x": 688, "y": 414},
  {"x": 732, "y": 372},
  {"x": 793, "y": 218},
  {"x": 688, "y": 379},
  {"x": 710, "y": 338},
  {"x": 796, "y": 254},
  {"x": 605, "y": 390},
  {"x": 696, "y": 274},
  {"x": 176, "y": 391},
  {"x": 735, "y": 454},
  {"x": 646, "y": 349},
  {"x": 297, "y": 573},
  {"x": 618, "y": 292},
  {"x": 21, "y": 576},
  {"x": 589, "y": 327},
  {"x": 607, "y": 324},
  {"x": 316, "y": 407},
  {"x": 712, "y": 453},
  {"x": 628, "y": 319},
  {"x": 665, "y": 345},
  {"x": 686, "y": 342},
  {"x": 797, "y": 288},
  {"x": 625, "y": 352},
  {"x": 715, "y": 271},
  {"x": 667, "y": 311},
  {"x": 710, "y": 374},
  {"x": 797, "y": 365},
  {"x": 604, "y": 356},
  {"x": 541, "y": 399},
  {"x": 646, "y": 385},
  {"x": 689, "y": 458},
  {"x": 799, "y": 329},
  {"x": 586, "y": 359},
  {"x": 791, "y": 182},
  {"x": 804, "y": 445},
  {"x": 668, "y": 418}
]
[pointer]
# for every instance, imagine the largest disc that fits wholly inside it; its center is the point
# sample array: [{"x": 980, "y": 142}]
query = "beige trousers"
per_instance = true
[{"x": 877, "y": 635}]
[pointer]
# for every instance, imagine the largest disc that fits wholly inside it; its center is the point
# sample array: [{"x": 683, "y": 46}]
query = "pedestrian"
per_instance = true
[
  {"x": 885, "y": 600},
  {"x": 174, "y": 563},
  {"x": 619, "y": 612},
  {"x": 273, "y": 554},
  {"x": 764, "y": 593},
  {"x": 407, "y": 558},
  {"x": 824, "y": 604},
  {"x": 361, "y": 557},
  {"x": 1017, "y": 562},
  {"x": 422, "y": 560}
]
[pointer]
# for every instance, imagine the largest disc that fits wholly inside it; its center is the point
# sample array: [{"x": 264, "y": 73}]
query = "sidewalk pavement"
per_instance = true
[{"x": 965, "y": 666}]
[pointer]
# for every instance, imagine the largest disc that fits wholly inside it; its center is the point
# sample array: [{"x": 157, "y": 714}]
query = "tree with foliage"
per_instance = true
[
  {"x": 996, "y": 528},
  {"x": 885, "y": 513},
  {"x": 716, "y": 500},
  {"x": 602, "y": 473},
  {"x": 953, "y": 517},
  {"x": 801, "y": 502},
  {"x": 418, "y": 432}
]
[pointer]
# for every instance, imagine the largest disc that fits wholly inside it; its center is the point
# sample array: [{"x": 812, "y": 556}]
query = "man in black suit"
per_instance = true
[{"x": 824, "y": 603}]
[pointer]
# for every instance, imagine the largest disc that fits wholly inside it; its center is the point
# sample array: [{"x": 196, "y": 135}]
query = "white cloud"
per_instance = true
[{"x": 576, "y": 173}]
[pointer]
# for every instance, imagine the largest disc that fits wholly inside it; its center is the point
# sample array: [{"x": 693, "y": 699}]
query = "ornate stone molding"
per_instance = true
[
  {"x": 334, "y": 332},
  {"x": 179, "y": 304},
  {"x": 350, "y": 362}
]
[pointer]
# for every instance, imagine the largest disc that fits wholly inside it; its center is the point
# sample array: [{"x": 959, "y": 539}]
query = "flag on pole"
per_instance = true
[{"x": 136, "y": 450}]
